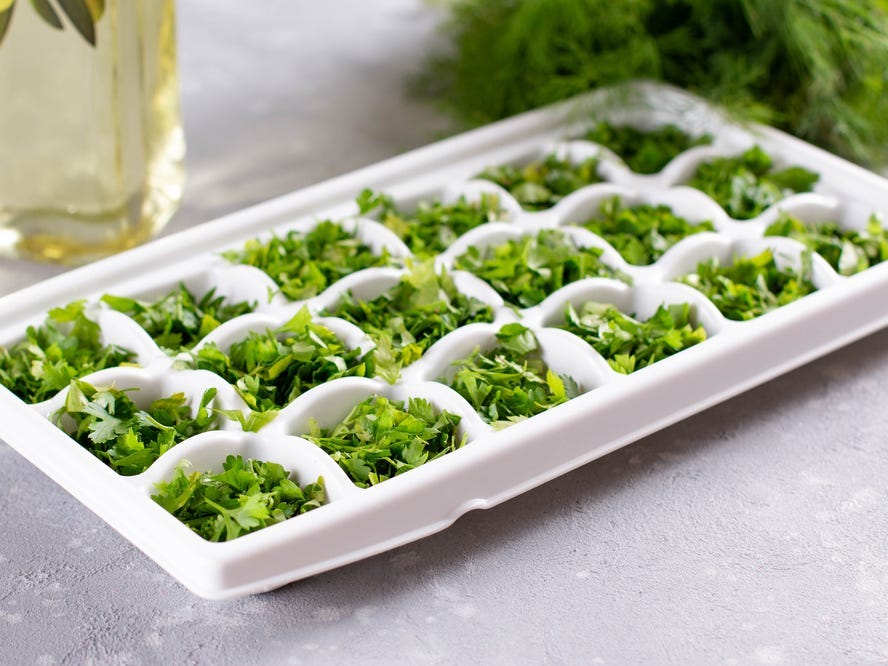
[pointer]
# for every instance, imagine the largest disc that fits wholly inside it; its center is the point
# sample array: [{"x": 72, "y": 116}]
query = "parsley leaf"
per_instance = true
[
  {"x": 848, "y": 251},
  {"x": 65, "y": 346},
  {"x": 540, "y": 185},
  {"x": 411, "y": 316},
  {"x": 108, "y": 424},
  {"x": 643, "y": 233},
  {"x": 381, "y": 438},
  {"x": 178, "y": 320},
  {"x": 645, "y": 151},
  {"x": 751, "y": 286},
  {"x": 526, "y": 270},
  {"x": 303, "y": 264},
  {"x": 246, "y": 496},
  {"x": 271, "y": 369},
  {"x": 746, "y": 185},
  {"x": 510, "y": 382},
  {"x": 628, "y": 344},
  {"x": 433, "y": 226}
]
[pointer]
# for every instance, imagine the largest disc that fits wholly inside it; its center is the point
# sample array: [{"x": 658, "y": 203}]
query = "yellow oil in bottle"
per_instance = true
[{"x": 91, "y": 145}]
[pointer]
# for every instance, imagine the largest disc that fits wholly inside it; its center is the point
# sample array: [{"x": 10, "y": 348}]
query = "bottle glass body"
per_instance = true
[{"x": 91, "y": 144}]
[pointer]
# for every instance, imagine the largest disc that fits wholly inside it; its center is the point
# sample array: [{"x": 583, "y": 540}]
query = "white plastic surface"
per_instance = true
[{"x": 494, "y": 465}]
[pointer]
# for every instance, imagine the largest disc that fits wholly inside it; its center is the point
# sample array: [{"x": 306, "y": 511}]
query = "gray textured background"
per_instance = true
[{"x": 755, "y": 532}]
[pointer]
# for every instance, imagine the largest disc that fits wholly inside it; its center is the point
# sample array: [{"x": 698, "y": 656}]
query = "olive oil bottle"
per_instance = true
[{"x": 91, "y": 144}]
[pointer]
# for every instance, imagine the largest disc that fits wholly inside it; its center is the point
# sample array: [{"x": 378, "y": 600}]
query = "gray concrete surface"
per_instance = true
[{"x": 753, "y": 533}]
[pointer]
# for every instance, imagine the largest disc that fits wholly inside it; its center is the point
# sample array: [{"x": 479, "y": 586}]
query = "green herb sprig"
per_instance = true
[
  {"x": 381, "y": 438},
  {"x": 813, "y": 67},
  {"x": 848, "y": 251},
  {"x": 304, "y": 264},
  {"x": 540, "y": 185},
  {"x": 271, "y": 369},
  {"x": 751, "y": 286},
  {"x": 84, "y": 15},
  {"x": 66, "y": 346},
  {"x": 645, "y": 151},
  {"x": 628, "y": 344},
  {"x": 433, "y": 226},
  {"x": 746, "y": 185},
  {"x": 511, "y": 382},
  {"x": 108, "y": 424},
  {"x": 246, "y": 496},
  {"x": 643, "y": 233},
  {"x": 178, "y": 320},
  {"x": 411, "y": 316},
  {"x": 526, "y": 270}
]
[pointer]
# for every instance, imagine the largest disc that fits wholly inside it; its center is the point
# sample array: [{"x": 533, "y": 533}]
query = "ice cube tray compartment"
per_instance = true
[
  {"x": 208, "y": 450},
  {"x": 329, "y": 404},
  {"x": 613, "y": 410}
]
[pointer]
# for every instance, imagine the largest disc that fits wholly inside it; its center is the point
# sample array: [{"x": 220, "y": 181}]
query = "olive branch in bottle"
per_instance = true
[{"x": 83, "y": 15}]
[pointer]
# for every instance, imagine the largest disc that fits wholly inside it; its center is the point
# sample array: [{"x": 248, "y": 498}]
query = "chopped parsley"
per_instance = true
[
  {"x": 751, "y": 286},
  {"x": 628, "y": 344},
  {"x": 66, "y": 346},
  {"x": 246, "y": 496},
  {"x": 645, "y": 151},
  {"x": 303, "y": 264},
  {"x": 643, "y": 233},
  {"x": 433, "y": 226},
  {"x": 540, "y": 185},
  {"x": 511, "y": 382},
  {"x": 381, "y": 438},
  {"x": 746, "y": 185},
  {"x": 526, "y": 270},
  {"x": 108, "y": 424},
  {"x": 411, "y": 316},
  {"x": 271, "y": 369},
  {"x": 178, "y": 320},
  {"x": 849, "y": 251}
]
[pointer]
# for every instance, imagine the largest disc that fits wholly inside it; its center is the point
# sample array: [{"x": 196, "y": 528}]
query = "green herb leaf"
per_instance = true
[
  {"x": 78, "y": 13},
  {"x": 526, "y": 270},
  {"x": 109, "y": 425},
  {"x": 178, "y": 320},
  {"x": 750, "y": 286},
  {"x": 541, "y": 185},
  {"x": 848, "y": 251},
  {"x": 64, "y": 347},
  {"x": 643, "y": 233},
  {"x": 645, "y": 151},
  {"x": 47, "y": 13},
  {"x": 246, "y": 496},
  {"x": 253, "y": 422},
  {"x": 517, "y": 338},
  {"x": 745, "y": 186},
  {"x": 6, "y": 17},
  {"x": 411, "y": 316},
  {"x": 433, "y": 226},
  {"x": 381, "y": 438},
  {"x": 304, "y": 264},
  {"x": 271, "y": 369},
  {"x": 628, "y": 344},
  {"x": 510, "y": 382}
]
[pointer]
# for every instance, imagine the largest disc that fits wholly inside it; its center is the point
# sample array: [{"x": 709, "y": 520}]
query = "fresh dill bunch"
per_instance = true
[{"x": 815, "y": 68}]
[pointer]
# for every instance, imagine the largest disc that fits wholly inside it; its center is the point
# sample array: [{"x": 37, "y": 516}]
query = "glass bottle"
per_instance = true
[{"x": 91, "y": 143}]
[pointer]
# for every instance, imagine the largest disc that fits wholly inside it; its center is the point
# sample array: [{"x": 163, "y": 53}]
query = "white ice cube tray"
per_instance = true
[{"x": 494, "y": 465}]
